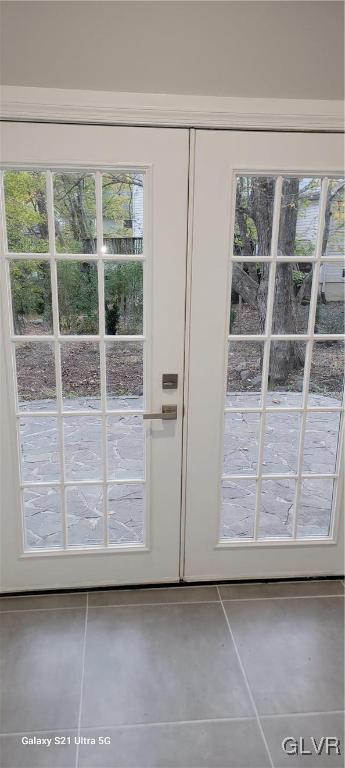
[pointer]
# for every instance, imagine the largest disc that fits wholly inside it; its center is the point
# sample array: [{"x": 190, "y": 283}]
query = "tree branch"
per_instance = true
[
  {"x": 244, "y": 285},
  {"x": 303, "y": 288}
]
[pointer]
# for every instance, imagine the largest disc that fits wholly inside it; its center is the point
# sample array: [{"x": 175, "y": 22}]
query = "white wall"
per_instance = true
[{"x": 266, "y": 49}]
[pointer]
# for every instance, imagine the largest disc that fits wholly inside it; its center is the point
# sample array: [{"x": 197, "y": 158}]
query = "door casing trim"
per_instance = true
[{"x": 173, "y": 110}]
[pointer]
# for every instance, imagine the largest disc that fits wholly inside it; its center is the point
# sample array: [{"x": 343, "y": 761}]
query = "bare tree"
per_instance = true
[{"x": 254, "y": 214}]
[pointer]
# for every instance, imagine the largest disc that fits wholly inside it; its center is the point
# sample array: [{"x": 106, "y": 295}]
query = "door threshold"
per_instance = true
[{"x": 168, "y": 585}]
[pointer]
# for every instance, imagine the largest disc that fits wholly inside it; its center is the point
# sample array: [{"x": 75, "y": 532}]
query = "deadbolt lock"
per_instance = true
[{"x": 169, "y": 380}]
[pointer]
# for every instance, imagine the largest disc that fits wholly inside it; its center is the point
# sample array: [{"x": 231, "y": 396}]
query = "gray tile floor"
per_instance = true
[{"x": 182, "y": 677}]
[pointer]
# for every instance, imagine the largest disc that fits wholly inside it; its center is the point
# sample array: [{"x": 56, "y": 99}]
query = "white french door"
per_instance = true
[
  {"x": 264, "y": 454},
  {"x": 93, "y": 304},
  {"x": 93, "y": 292}
]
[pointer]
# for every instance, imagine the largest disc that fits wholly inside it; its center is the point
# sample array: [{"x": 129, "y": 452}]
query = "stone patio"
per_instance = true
[{"x": 125, "y": 446}]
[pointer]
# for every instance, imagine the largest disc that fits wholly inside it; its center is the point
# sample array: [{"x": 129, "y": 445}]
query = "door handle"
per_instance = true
[{"x": 168, "y": 413}]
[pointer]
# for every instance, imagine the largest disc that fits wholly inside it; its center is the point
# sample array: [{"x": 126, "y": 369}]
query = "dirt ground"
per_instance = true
[
  {"x": 80, "y": 362},
  {"x": 327, "y": 366},
  {"x": 80, "y": 370},
  {"x": 326, "y": 377}
]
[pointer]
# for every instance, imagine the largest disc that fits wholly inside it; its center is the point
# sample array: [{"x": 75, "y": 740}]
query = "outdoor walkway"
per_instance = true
[{"x": 125, "y": 446}]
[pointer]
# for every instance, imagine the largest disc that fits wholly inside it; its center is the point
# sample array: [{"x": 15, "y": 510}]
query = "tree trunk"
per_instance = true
[
  {"x": 256, "y": 203},
  {"x": 286, "y": 356}
]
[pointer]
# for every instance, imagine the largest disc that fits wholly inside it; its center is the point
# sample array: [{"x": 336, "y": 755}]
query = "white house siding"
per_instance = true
[
  {"x": 114, "y": 227},
  {"x": 333, "y": 281},
  {"x": 332, "y": 276},
  {"x": 138, "y": 211},
  {"x": 336, "y": 240},
  {"x": 334, "y": 292},
  {"x": 307, "y": 223}
]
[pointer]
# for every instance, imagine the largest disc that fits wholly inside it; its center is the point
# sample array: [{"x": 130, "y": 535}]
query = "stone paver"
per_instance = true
[
  {"x": 126, "y": 448},
  {"x": 280, "y": 457}
]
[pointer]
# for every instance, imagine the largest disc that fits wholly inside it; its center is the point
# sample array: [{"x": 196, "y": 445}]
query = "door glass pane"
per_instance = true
[
  {"x": 126, "y": 513},
  {"x": 123, "y": 298},
  {"x": 78, "y": 297},
  {"x": 335, "y": 218},
  {"x": 281, "y": 443},
  {"x": 286, "y": 371},
  {"x": 26, "y": 211},
  {"x": 238, "y": 508},
  {"x": 35, "y": 368},
  {"x": 321, "y": 442},
  {"x": 43, "y": 518},
  {"x": 82, "y": 444},
  {"x": 253, "y": 215},
  {"x": 299, "y": 216},
  {"x": 125, "y": 375},
  {"x": 241, "y": 441},
  {"x": 125, "y": 437},
  {"x": 330, "y": 313},
  {"x": 123, "y": 213},
  {"x": 276, "y": 508},
  {"x": 249, "y": 297},
  {"x": 39, "y": 448},
  {"x": 244, "y": 373},
  {"x": 31, "y": 297},
  {"x": 327, "y": 374},
  {"x": 314, "y": 514},
  {"x": 75, "y": 212},
  {"x": 292, "y": 298},
  {"x": 85, "y": 515},
  {"x": 80, "y": 373}
]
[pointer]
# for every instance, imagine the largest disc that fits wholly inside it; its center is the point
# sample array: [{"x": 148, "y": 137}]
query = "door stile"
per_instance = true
[{"x": 187, "y": 332}]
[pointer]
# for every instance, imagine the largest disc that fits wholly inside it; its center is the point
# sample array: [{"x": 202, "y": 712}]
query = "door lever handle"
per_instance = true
[{"x": 168, "y": 413}]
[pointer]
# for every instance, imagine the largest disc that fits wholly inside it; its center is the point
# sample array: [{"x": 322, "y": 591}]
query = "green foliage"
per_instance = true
[
  {"x": 78, "y": 297},
  {"x": 26, "y": 214},
  {"x": 75, "y": 216},
  {"x": 123, "y": 289},
  {"x": 298, "y": 278},
  {"x": 303, "y": 248},
  {"x": 30, "y": 284}
]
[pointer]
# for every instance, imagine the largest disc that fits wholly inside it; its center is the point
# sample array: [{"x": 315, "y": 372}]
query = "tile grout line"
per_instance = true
[
  {"x": 279, "y": 597},
  {"x": 302, "y": 714},
  {"x": 45, "y": 610},
  {"x": 175, "y": 602},
  {"x": 249, "y": 691},
  {"x": 82, "y": 679},
  {"x": 154, "y": 605},
  {"x": 117, "y": 726},
  {"x": 115, "y": 605},
  {"x": 212, "y": 602}
]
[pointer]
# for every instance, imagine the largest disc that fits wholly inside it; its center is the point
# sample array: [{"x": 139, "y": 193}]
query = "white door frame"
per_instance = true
[{"x": 118, "y": 108}]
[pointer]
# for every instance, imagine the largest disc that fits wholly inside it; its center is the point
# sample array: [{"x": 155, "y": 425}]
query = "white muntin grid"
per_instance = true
[
  {"x": 56, "y": 340},
  {"x": 311, "y": 339}
]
